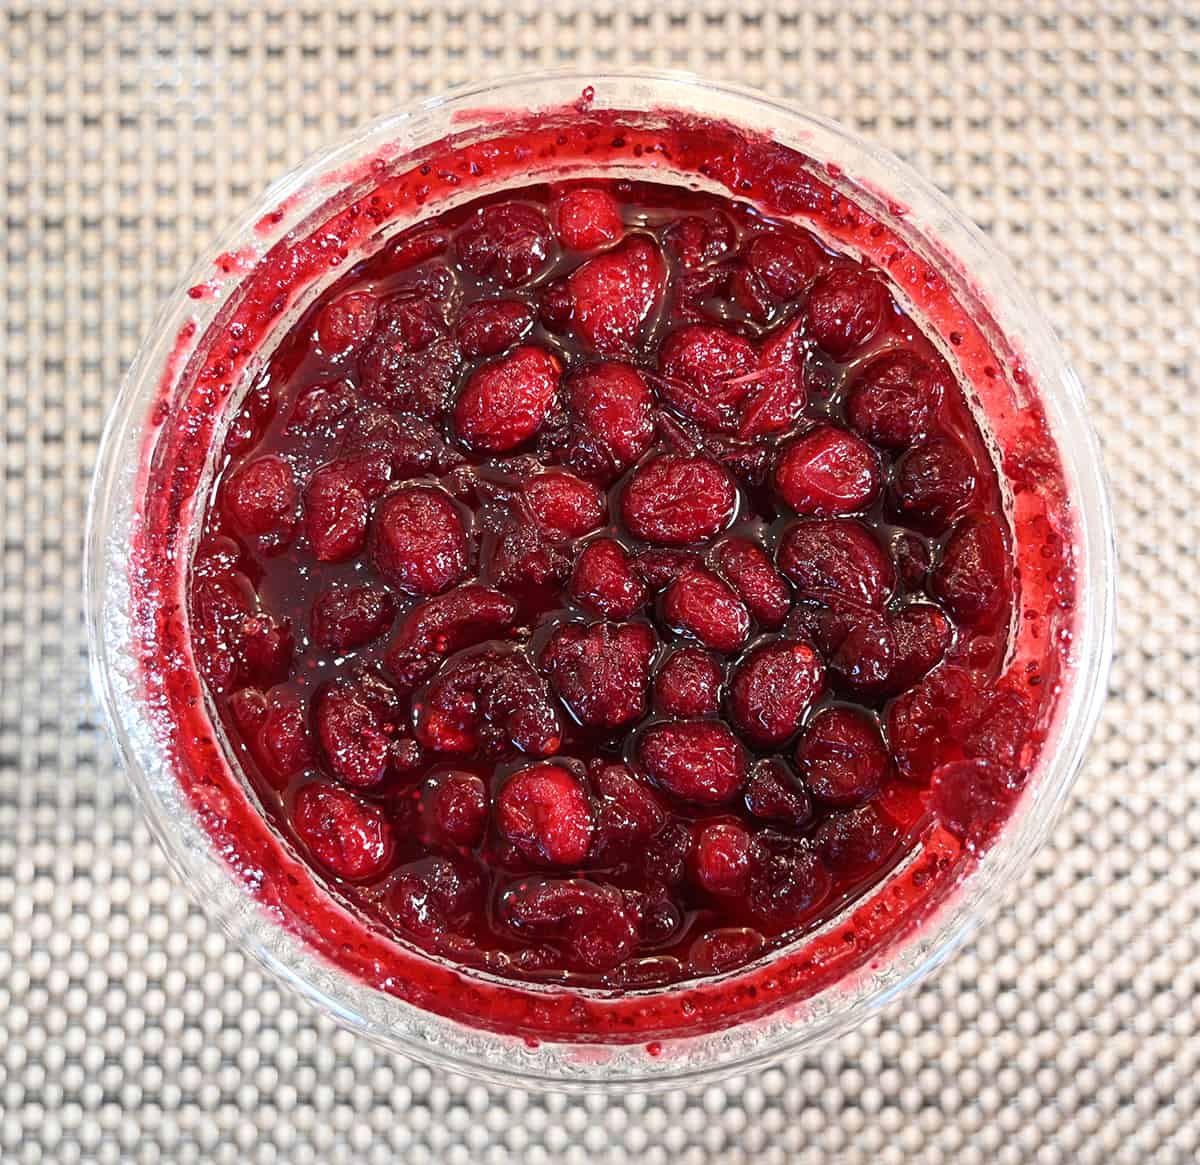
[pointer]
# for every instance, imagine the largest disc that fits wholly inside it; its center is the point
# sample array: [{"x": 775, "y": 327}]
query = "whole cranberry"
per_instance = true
[
  {"x": 926, "y": 726},
  {"x": 337, "y": 506},
  {"x": 722, "y": 949},
  {"x": 922, "y": 637},
  {"x": 773, "y": 793},
  {"x": 706, "y": 372},
  {"x": 629, "y": 812},
  {"x": 777, "y": 389},
  {"x": 759, "y": 585},
  {"x": 593, "y": 923},
  {"x": 604, "y": 581},
  {"x": 610, "y": 409},
  {"x": 845, "y": 309},
  {"x": 971, "y": 578},
  {"x": 434, "y": 896},
  {"x": 344, "y": 323},
  {"x": 773, "y": 689},
  {"x": 349, "y": 838},
  {"x": 720, "y": 857},
  {"x": 788, "y": 880},
  {"x": 346, "y": 617},
  {"x": 564, "y": 505},
  {"x": 688, "y": 684},
  {"x": 856, "y": 842},
  {"x": 454, "y": 806},
  {"x": 418, "y": 540},
  {"x": 933, "y": 484},
  {"x": 491, "y": 326},
  {"x": 613, "y": 295},
  {"x": 321, "y": 408},
  {"x": 700, "y": 240},
  {"x": 601, "y": 672},
  {"x": 504, "y": 403},
  {"x": 827, "y": 471},
  {"x": 893, "y": 399},
  {"x": 842, "y": 756},
  {"x": 545, "y": 812},
  {"x": 658, "y": 566},
  {"x": 786, "y": 262},
  {"x": 701, "y": 604},
  {"x": 839, "y": 557},
  {"x": 588, "y": 219},
  {"x": 509, "y": 242},
  {"x": 695, "y": 760},
  {"x": 259, "y": 498},
  {"x": 285, "y": 747},
  {"x": 675, "y": 500},
  {"x": 355, "y": 738}
]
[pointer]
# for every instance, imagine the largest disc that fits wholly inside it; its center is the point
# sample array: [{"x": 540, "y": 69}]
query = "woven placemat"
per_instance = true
[{"x": 1069, "y": 1031}]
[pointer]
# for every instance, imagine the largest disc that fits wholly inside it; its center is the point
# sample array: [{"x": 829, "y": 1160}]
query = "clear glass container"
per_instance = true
[{"x": 298, "y": 204}]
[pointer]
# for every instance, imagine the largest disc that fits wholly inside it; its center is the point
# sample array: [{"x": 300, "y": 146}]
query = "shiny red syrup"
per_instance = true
[{"x": 602, "y": 581}]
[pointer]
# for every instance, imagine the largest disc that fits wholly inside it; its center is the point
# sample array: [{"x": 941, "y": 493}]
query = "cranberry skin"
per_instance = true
[
  {"x": 971, "y": 579},
  {"x": 774, "y": 794},
  {"x": 842, "y": 756},
  {"x": 893, "y": 399},
  {"x": 602, "y": 672},
  {"x": 699, "y": 761},
  {"x": 855, "y": 843},
  {"x": 688, "y": 684},
  {"x": 460, "y": 618},
  {"x": 839, "y": 557},
  {"x": 588, "y": 219},
  {"x": 321, "y": 407},
  {"x": 933, "y": 484},
  {"x": 285, "y": 747},
  {"x": 593, "y": 923},
  {"x": 613, "y": 295},
  {"x": 435, "y": 896},
  {"x": 418, "y": 540},
  {"x": 760, "y": 586},
  {"x": 676, "y": 500},
  {"x": 912, "y": 557},
  {"x": 544, "y": 811},
  {"x": 701, "y": 604},
  {"x": 351, "y": 839},
  {"x": 973, "y": 799},
  {"x": 354, "y": 738},
  {"x": 267, "y": 649},
  {"x": 610, "y": 410},
  {"x": 346, "y": 617},
  {"x": 657, "y": 567},
  {"x": 453, "y": 808},
  {"x": 506, "y": 402},
  {"x": 773, "y": 689},
  {"x": 509, "y": 243},
  {"x": 604, "y": 582},
  {"x": 405, "y": 445},
  {"x": 785, "y": 263},
  {"x": 927, "y": 724},
  {"x": 705, "y": 370},
  {"x": 720, "y": 858},
  {"x": 788, "y": 881},
  {"x": 491, "y": 326},
  {"x": 863, "y": 662},
  {"x": 845, "y": 309},
  {"x": 259, "y": 498},
  {"x": 699, "y": 241},
  {"x": 922, "y": 636},
  {"x": 346, "y": 322},
  {"x": 564, "y": 505},
  {"x": 827, "y": 471}
]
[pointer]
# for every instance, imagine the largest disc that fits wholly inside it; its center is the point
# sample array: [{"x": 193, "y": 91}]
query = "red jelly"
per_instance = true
[{"x": 597, "y": 580}]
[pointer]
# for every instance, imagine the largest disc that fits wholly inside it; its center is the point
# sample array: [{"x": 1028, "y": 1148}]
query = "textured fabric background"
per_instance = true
[{"x": 1068, "y": 1032}]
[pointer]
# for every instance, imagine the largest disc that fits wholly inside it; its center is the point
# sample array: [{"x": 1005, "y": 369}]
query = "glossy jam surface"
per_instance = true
[{"x": 605, "y": 583}]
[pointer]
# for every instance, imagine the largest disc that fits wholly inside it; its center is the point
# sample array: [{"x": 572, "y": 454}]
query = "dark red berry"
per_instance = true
[
  {"x": 675, "y": 500},
  {"x": 588, "y": 219},
  {"x": 839, "y": 557},
  {"x": 699, "y": 603},
  {"x": 695, "y": 760},
  {"x": 419, "y": 541},
  {"x": 705, "y": 374},
  {"x": 436, "y": 895},
  {"x": 544, "y": 810},
  {"x": 349, "y": 838},
  {"x": 893, "y": 399},
  {"x": 564, "y": 505},
  {"x": 601, "y": 672},
  {"x": 613, "y": 295},
  {"x": 971, "y": 578},
  {"x": 750, "y": 572},
  {"x": 688, "y": 684},
  {"x": 344, "y": 323},
  {"x": 785, "y": 262},
  {"x": 592, "y": 923},
  {"x": 259, "y": 497},
  {"x": 932, "y": 485},
  {"x": 346, "y": 617},
  {"x": 857, "y": 842},
  {"x": 509, "y": 242},
  {"x": 611, "y": 423},
  {"x": 721, "y": 857},
  {"x": 454, "y": 806},
  {"x": 699, "y": 241},
  {"x": 355, "y": 739},
  {"x": 788, "y": 880},
  {"x": 842, "y": 756},
  {"x": 772, "y": 690},
  {"x": 490, "y": 326},
  {"x": 845, "y": 309},
  {"x": 722, "y": 949},
  {"x": 827, "y": 471},
  {"x": 604, "y": 581},
  {"x": 506, "y": 402},
  {"x": 774, "y": 794}
]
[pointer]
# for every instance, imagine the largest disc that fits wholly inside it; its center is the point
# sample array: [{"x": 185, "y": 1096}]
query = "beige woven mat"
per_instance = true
[{"x": 129, "y": 1031}]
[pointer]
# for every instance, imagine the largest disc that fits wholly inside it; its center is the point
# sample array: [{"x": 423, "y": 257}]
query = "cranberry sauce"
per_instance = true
[{"x": 600, "y": 583}]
